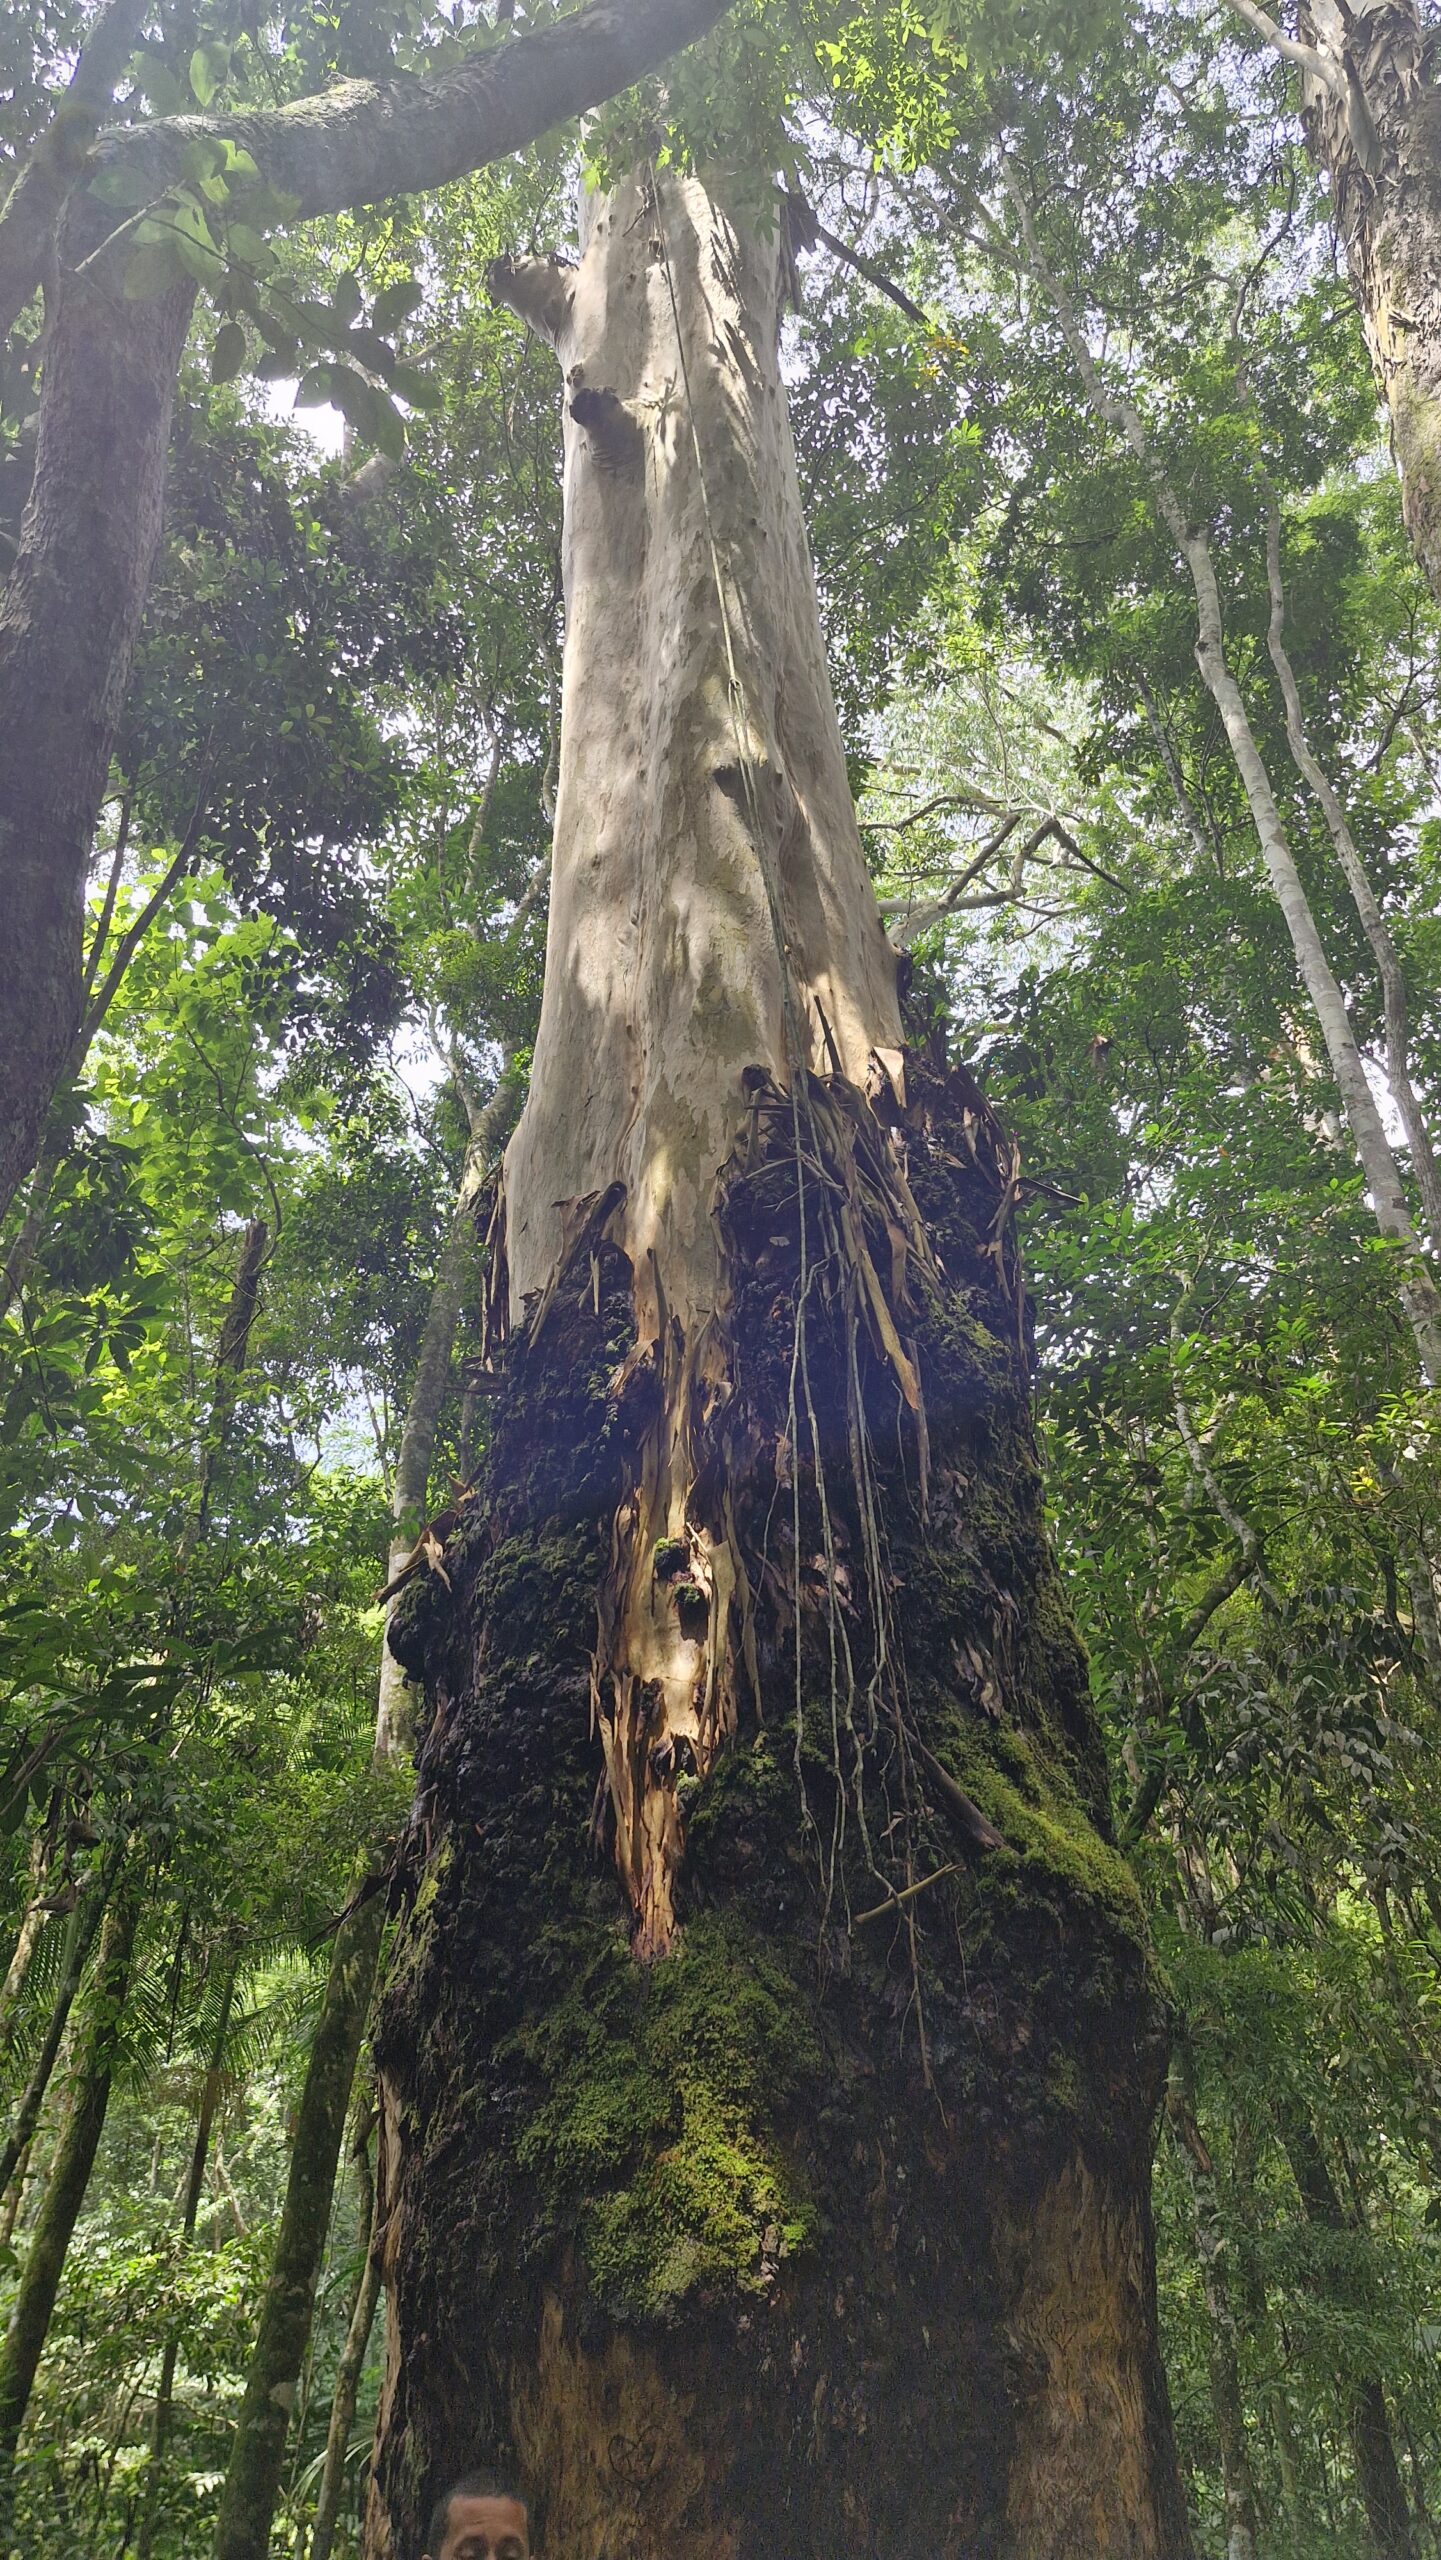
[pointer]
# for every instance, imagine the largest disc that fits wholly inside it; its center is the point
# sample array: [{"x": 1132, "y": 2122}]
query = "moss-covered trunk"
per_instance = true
[{"x": 770, "y": 2061}]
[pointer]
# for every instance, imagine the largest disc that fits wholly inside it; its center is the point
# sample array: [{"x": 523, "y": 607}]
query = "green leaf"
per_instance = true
[
  {"x": 421, "y": 389},
  {"x": 158, "y": 85},
  {"x": 227, "y": 356},
  {"x": 346, "y": 300},
  {"x": 395, "y": 304},
  {"x": 153, "y": 269},
  {"x": 370, "y": 411},
  {"x": 209, "y": 66}
]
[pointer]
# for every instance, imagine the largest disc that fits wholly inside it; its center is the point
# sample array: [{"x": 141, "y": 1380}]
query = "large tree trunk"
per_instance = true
[
  {"x": 770, "y": 2059},
  {"x": 69, "y": 615},
  {"x": 1373, "y": 118}
]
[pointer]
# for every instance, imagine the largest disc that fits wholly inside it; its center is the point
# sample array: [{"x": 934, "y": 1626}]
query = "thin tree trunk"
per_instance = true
[
  {"x": 807, "y": 2207},
  {"x": 194, "y": 2190},
  {"x": 84, "y": 1923},
  {"x": 1418, "y": 1291},
  {"x": 252, "y": 2480},
  {"x": 231, "y": 1353},
  {"x": 1373, "y": 923},
  {"x": 89, "y": 2097},
  {"x": 1223, "y": 2346},
  {"x": 253, "y": 2476},
  {"x": 352, "y": 2363},
  {"x": 1378, "y": 2472},
  {"x": 42, "y": 1847}
]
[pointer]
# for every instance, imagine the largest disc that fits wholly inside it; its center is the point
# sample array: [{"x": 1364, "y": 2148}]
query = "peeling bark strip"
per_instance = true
[
  {"x": 708, "y": 893},
  {"x": 797, "y": 2235},
  {"x": 72, "y": 604}
]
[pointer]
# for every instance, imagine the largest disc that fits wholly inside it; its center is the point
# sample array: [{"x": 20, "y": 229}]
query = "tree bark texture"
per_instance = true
[
  {"x": 1373, "y": 119},
  {"x": 770, "y": 2056},
  {"x": 69, "y": 615},
  {"x": 252, "y": 2479},
  {"x": 89, "y": 2098},
  {"x": 72, "y": 604}
]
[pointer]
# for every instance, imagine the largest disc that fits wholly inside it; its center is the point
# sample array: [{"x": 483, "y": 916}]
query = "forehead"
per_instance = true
[{"x": 488, "y": 2519}]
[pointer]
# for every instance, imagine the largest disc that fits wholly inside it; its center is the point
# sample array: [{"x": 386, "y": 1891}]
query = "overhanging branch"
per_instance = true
[{"x": 364, "y": 140}]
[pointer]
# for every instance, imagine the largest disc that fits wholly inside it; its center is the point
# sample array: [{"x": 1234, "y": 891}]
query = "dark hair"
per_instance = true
[{"x": 471, "y": 2484}]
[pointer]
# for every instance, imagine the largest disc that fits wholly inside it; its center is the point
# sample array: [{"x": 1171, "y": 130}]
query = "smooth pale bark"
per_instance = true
[
  {"x": 88, "y": 2101},
  {"x": 1353, "y": 870},
  {"x": 1223, "y": 2353},
  {"x": 1372, "y": 113},
  {"x": 71, "y": 607},
  {"x": 252, "y": 2480},
  {"x": 1389, "y": 1206},
  {"x": 663, "y": 1684},
  {"x": 710, "y": 906}
]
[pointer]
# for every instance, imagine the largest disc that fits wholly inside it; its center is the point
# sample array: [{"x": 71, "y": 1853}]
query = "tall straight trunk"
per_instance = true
[
  {"x": 252, "y": 2480},
  {"x": 1223, "y": 2345},
  {"x": 253, "y": 2476},
  {"x": 1372, "y": 112},
  {"x": 1419, "y": 1295},
  {"x": 89, "y": 2098},
  {"x": 1373, "y": 2448},
  {"x": 33, "y": 1919},
  {"x": 363, "y": 2306},
  {"x": 770, "y": 2058},
  {"x": 85, "y": 1921},
  {"x": 69, "y": 616},
  {"x": 1394, "y": 1000},
  {"x": 194, "y": 2190}
]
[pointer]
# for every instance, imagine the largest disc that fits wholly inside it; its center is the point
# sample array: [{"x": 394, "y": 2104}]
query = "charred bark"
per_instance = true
[{"x": 770, "y": 2059}]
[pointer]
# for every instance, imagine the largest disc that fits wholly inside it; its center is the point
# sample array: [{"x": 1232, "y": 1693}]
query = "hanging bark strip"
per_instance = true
[{"x": 738, "y": 2225}]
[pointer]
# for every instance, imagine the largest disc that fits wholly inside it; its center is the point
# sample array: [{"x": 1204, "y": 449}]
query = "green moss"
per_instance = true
[
  {"x": 658, "y": 2131},
  {"x": 1047, "y": 1831}
]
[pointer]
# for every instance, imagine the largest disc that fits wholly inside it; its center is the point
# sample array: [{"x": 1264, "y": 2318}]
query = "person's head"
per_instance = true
[{"x": 479, "y": 2517}]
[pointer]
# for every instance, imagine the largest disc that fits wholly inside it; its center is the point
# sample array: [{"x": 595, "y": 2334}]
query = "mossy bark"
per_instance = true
[
  {"x": 770, "y": 2058},
  {"x": 88, "y": 2102},
  {"x": 820, "y": 2232},
  {"x": 252, "y": 2478}
]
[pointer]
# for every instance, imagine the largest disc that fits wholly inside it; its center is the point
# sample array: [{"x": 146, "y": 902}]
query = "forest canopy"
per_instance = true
[{"x": 720, "y": 1333}]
